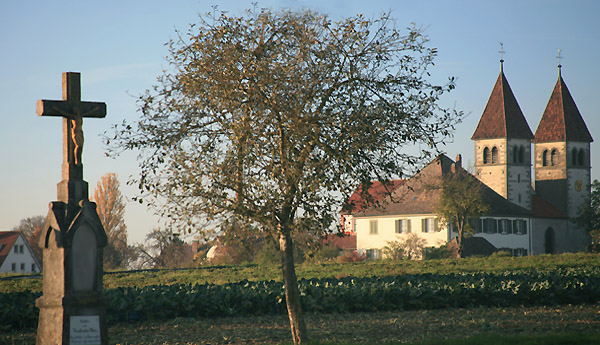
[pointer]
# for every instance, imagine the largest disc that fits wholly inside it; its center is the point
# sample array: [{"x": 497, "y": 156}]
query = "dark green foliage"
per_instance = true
[{"x": 579, "y": 285}]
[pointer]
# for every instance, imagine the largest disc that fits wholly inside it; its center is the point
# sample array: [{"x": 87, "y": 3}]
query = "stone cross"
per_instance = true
[
  {"x": 73, "y": 110},
  {"x": 72, "y": 307}
]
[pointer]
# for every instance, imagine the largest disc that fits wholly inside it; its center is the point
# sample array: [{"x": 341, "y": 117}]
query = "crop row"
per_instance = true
[{"x": 332, "y": 295}]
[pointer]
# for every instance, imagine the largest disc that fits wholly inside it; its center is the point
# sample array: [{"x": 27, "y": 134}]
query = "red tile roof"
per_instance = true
[
  {"x": 561, "y": 120},
  {"x": 8, "y": 239},
  {"x": 544, "y": 209},
  {"x": 419, "y": 194},
  {"x": 377, "y": 192},
  {"x": 502, "y": 116},
  {"x": 347, "y": 242}
]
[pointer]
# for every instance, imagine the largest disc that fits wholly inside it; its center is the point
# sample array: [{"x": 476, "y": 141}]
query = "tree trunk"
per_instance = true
[{"x": 292, "y": 294}]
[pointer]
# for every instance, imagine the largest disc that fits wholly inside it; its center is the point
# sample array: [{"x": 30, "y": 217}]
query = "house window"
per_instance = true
[
  {"x": 518, "y": 178},
  {"x": 429, "y": 225},
  {"x": 373, "y": 254},
  {"x": 505, "y": 227},
  {"x": 487, "y": 158},
  {"x": 402, "y": 226},
  {"x": 373, "y": 227},
  {"x": 519, "y": 227},
  {"x": 22, "y": 267},
  {"x": 16, "y": 249},
  {"x": 490, "y": 226},
  {"x": 32, "y": 267},
  {"x": 22, "y": 249},
  {"x": 520, "y": 252},
  {"x": 554, "y": 157},
  {"x": 545, "y": 158},
  {"x": 13, "y": 267},
  {"x": 494, "y": 155},
  {"x": 475, "y": 224}
]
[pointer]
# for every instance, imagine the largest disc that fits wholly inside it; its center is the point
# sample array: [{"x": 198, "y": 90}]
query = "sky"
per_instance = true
[{"x": 118, "y": 47}]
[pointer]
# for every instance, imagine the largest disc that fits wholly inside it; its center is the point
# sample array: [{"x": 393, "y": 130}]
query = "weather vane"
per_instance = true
[
  {"x": 559, "y": 57},
  {"x": 501, "y": 51}
]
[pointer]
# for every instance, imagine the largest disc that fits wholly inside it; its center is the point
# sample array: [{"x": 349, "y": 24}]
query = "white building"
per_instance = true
[{"x": 16, "y": 255}]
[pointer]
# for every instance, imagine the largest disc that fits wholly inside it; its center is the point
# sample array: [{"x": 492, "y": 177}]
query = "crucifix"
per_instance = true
[
  {"x": 73, "y": 110},
  {"x": 72, "y": 307},
  {"x": 559, "y": 58},
  {"x": 501, "y": 51}
]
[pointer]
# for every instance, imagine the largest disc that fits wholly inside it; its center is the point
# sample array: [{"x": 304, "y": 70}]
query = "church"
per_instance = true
[{"x": 529, "y": 212}]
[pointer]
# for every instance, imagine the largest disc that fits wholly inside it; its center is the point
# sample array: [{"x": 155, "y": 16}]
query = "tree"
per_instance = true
[
  {"x": 589, "y": 217},
  {"x": 461, "y": 199},
  {"x": 274, "y": 118},
  {"x": 31, "y": 227},
  {"x": 164, "y": 249},
  {"x": 410, "y": 248},
  {"x": 111, "y": 210}
]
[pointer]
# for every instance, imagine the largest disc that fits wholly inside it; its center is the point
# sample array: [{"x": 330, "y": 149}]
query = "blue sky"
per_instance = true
[{"x": 118, "y": 47}]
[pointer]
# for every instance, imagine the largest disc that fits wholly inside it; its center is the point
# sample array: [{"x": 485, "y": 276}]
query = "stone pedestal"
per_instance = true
[{"x": 72, "y": 308}]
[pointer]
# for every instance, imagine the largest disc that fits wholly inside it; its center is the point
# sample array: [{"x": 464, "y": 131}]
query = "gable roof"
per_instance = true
[
  {"x": 502, "y": 116},
  {"x": 561, "y": 120},
  {"x": 7, "y": 240},
  {"x": 418, "y": 195}
]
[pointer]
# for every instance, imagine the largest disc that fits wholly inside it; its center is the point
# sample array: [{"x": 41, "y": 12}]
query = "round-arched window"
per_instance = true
[
  {"x": 494, "y": 155},
  {"x": 554, "y": 157},
  {"x": 486, "y": 156}
]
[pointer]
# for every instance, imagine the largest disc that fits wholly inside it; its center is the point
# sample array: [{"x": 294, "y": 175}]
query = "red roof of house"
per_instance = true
[
  {"x": 561, "y": 120},
  {"x": 377, "y": 192},
  {"x": 420, "y": 194},
  {"x": 348, "y": 241},
  {"x": 502, "y": 116},
  {"x": 543, "y": 209},
  {"x": 7, "y": 240}
]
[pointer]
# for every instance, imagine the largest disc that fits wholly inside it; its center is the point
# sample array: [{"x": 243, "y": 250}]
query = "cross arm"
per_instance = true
[{"x": 70, "y": 110}]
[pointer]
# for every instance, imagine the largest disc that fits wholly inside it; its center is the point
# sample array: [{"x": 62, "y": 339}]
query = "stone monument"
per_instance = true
[{"x": 72, "y": 307}]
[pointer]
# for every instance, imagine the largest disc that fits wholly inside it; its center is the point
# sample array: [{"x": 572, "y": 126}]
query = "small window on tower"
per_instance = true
[
  {"x": 545, "y": 158},
  {"x": 580, "y": 157},
  {"x": 515, "y": 154},
  {"x": 574, "y": 157},
  {"x": 521, "y": 154},
  {"x": 494, "y": 155},
  {"x": 554, "y": 157},
  {"x": 486, "y": 156}
]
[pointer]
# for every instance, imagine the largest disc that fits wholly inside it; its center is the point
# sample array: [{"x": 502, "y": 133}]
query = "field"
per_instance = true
[{"x": 546, "y": 297}]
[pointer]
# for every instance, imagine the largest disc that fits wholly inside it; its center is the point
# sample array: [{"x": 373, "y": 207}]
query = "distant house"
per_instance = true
[
  {"x": 525, "y": 218},
  {"x": 16, "y": 255}
]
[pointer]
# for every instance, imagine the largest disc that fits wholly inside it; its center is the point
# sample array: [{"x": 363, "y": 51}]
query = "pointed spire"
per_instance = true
[
  {"x": 561, "y": 120},
  {"x": 502, "y": 117}
]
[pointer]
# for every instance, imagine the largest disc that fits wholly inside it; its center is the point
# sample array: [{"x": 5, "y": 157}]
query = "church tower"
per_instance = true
[
  {"x": 562, "y": 153},
  {"x": 503, "y": 145}
]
